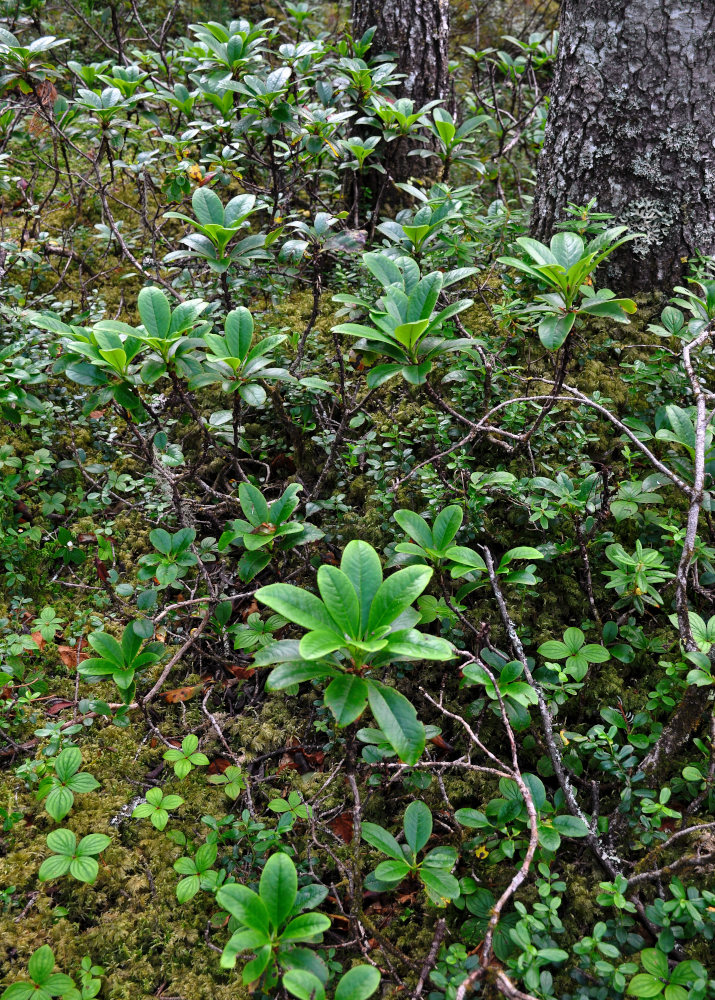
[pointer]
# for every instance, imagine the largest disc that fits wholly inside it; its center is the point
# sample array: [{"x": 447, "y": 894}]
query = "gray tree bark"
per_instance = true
[
  {"x": 631, "y": 123},
  {"x": 417, "y": 31}
]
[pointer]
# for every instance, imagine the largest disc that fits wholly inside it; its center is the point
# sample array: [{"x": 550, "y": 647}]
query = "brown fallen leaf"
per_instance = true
[
  {"x": 59, "y": 706},
  {"x": 286, "y": 763},
  {"x": 218, "y": 765},
  {"x": 72, "y": 655},
  {"x": 283, "y": 465},
  {"x": 440, "y": 742},
  {"x": 342, "y": 826},
  {"x": 23, "y": 511},
  {"x": 242, "y": 673},
  {"x": 182, "y": 693},
  {"x": 301, "y": 761},
  {"x": 38, "y": 640},
  {"x": 250, "y": 610}
]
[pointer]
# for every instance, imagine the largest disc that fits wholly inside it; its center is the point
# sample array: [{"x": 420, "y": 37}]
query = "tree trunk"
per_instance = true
[
  {"x": 631, "y": 123},
  {"x": 417, "y": 31}
]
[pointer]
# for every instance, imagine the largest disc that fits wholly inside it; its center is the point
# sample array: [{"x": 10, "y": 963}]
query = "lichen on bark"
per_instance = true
[{"x": 631, "y": 124}]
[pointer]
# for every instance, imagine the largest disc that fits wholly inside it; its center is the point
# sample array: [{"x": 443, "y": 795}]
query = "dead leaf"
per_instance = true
[
  {"x": 72, "y": 655},
  {"x": 182, "y": 693},
  {"x": 304, "y": 762},
  {"x": 23, "y": 511},
  {"x": 342, "y": 826},
  {"x": 242, "y": 673},
  {"x": 59, "y": 706},
  {"x": 438, "y": 741},
  {"x": 286, "y": 763},
  {"x": 38, "y": 640},
  {"x": 283, "y": 465},
  {"x": 250, "y": 610},
  {"x": 218, "y": 765}
]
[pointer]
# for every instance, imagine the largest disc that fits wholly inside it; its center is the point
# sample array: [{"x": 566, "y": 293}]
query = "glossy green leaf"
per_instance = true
[
  {"x": 570, "y": 826},
  {"x": 397, "y": 719},
  {"x": 644, "y": 985},
  {"x": 305, "y": 927},
  {"x": 297, "y": 605},
  {"x": 361, "y": 565},
  {"x": 278, "y": 887},
  {"x": 303, "y": 984},
  {"x": 446, "y": 526},
  {"x": 380, "y": 838},
  {"x": 553, "y": 330},
  {"x": 392, "y": 871},
  {"x": 346, "y": 697},
  {"x": 288, "y": 674},
  {"x": 415, "y": 526},
  {"x": 207, "y": 207},
  {"x": 417, "y": 825},
  {"x": 358, "y": 983},
  {"x": 154, "y": 312},
  {"x": 245, "y": 905},
  {"x": 396, "y": 594},
  {"x": 340, "y": 599}
]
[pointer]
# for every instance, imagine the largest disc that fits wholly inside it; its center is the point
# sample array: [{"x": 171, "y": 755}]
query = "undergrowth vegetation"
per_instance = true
[{"x": 357, "y": 550}]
